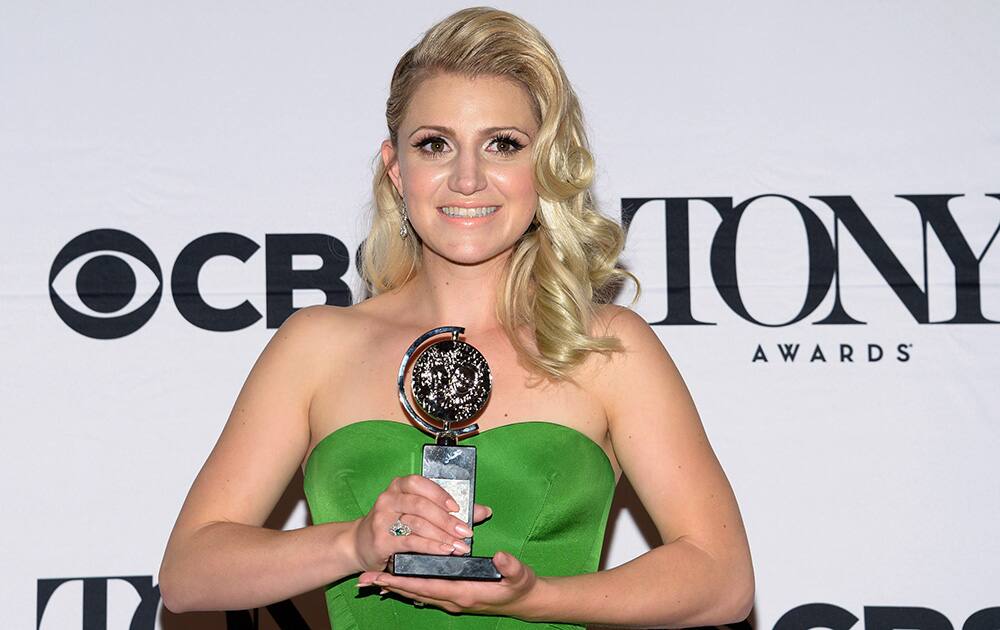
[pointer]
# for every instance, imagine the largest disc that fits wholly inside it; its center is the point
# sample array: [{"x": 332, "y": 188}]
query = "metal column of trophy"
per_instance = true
[{"x": 451, "y": 383}]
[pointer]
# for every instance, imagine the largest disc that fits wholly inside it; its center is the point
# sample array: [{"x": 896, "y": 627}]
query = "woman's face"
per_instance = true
[{"x": 464, "y": 165}]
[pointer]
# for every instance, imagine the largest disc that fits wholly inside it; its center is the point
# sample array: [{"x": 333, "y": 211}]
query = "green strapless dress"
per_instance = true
[{"x": 550, "y": 488}]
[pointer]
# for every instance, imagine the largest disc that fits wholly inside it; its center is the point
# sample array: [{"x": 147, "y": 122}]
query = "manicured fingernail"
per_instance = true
[
  {"x": 463, "y": 530},
  {"x": 383, "y": 592},
  {"x": 452, "y": 506},
  {"x": 489, "y": 512},
  {"x": 461, "y": 547}
]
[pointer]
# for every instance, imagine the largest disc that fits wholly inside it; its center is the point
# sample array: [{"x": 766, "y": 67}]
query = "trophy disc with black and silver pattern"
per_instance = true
[{"x": 451, "y": 382}]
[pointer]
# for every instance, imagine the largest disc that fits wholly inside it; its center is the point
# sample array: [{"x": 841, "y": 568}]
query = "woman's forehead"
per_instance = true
[{"x": 470, "y": 103}]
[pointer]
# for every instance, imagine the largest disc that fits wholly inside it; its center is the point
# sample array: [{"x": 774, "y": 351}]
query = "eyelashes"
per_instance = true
[
  {"x": 505, "y": 138},
  {"x": 501, "y": 139}
]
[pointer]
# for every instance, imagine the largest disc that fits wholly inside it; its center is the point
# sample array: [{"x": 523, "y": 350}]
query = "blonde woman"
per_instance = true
[{"x": 483, "y": 218}]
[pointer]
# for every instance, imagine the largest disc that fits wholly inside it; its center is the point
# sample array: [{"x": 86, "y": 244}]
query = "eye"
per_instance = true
[
  {"x": 506, "y": 144},
  {"x": 431, "y": 145}
]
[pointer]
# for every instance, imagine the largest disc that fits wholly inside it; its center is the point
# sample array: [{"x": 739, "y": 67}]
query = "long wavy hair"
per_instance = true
[{"x": 566, "y": 262}]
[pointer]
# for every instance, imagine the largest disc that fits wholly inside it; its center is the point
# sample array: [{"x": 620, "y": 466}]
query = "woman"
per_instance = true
[{"x": 484, "y": 219}]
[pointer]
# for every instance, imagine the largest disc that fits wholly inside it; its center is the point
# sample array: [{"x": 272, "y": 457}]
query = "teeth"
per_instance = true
[{"x": 454, "y": 211}]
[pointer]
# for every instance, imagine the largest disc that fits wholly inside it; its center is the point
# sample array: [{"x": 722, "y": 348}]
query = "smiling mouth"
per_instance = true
[{"x": 468, "y": 213}]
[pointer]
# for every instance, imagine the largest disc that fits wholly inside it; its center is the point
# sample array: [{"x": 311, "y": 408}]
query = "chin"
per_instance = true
[{"x": 471, "y": 256}]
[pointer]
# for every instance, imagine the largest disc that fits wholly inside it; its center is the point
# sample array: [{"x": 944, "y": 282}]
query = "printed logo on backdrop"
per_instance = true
[
  {"x": 98, "y": 609},
  {"x": 810, "y": 616},
  {"x": 107, "y": 283},
  {"x": 824, "y": 264},
  {"x": 95, "y": 608}
]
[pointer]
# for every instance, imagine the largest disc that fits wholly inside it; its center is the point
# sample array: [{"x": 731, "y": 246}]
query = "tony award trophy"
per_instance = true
[{"x": 451, "y": 383}]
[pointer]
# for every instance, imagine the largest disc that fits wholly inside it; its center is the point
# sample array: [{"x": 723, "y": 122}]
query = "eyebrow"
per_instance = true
[{"x": 451, "y": 132}]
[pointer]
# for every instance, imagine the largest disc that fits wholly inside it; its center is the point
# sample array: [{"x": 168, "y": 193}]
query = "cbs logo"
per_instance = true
[{"x": 107, "y": 283}]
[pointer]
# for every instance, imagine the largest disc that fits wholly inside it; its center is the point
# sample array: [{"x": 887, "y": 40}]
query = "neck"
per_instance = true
[{"x": 444, "y": 293}]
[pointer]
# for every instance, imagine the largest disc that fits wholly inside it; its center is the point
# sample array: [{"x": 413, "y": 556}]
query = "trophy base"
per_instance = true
[{"x": 444, "y": 567}]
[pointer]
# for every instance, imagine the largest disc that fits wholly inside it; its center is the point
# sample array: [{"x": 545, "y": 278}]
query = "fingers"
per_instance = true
[
  {"x": 428, "y": 510},
  {"x": 368, "y": 578},
  {"x": 423, "y": 589},
  {"x": 424, "y": 507},
  {"x": 417, "y": 597},
  {"x": 424, "y": 528},
  {"x": 419, "y": 544},
  {"x": 460, "y": 595},
  {"x": 480, "y": 513},
  {"x": 510, "y": 567},
  {"x": 423, "y": 538},
  {"x": 416, "y": 484},
  {"x": 450, "y": 595},
  {"x": 420, "y": 496}
]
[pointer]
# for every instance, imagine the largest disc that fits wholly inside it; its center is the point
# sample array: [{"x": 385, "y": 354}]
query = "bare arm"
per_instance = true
[
  {"x": 219, "y": 556},
  {"x": 703, "y": 574}
]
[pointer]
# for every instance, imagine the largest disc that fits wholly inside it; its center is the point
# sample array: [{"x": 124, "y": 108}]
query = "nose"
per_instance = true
[{"x": 467, "y": 176}]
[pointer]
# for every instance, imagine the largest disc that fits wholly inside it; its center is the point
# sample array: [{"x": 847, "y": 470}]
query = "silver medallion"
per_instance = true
[{"x": 451, "y": 382}]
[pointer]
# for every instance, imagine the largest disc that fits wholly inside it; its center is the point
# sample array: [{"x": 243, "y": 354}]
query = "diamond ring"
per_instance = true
[{"x": 399, "y": 528}]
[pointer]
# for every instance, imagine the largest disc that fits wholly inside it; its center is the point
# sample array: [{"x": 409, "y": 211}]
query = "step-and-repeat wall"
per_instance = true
[{"x": 812, "y": 192}]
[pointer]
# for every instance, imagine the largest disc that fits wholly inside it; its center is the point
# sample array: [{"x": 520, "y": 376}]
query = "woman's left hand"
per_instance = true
[{"x": 505, "y": 597}]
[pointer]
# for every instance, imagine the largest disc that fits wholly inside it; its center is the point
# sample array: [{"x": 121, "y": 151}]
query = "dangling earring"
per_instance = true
[{"x": 403, "y": 220}]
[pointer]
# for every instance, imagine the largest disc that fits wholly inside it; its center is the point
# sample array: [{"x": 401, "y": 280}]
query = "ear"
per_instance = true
[{"x": 389, "y": 159}]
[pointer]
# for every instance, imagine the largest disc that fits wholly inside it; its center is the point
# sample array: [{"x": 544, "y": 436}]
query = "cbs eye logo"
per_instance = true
[
  {"x": 101, "y": 273},
  {"x": 106, "y": 283}
]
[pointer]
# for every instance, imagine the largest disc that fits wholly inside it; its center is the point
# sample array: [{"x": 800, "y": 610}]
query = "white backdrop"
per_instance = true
[{"x": 869, "y": 487}]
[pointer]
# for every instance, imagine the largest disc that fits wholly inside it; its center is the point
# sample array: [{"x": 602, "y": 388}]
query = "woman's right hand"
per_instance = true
[{"x": 424, "y": 507}]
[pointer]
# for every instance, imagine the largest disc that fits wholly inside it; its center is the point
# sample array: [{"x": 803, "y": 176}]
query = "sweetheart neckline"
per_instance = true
[{"x": 382, "y": 421}]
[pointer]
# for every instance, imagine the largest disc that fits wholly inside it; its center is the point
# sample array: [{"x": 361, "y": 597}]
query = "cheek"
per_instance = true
[
  {"x": 420, "y": 178},
  {"x": 519, "y": 186}
]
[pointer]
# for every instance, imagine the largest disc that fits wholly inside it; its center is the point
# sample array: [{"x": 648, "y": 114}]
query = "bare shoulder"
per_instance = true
[
  {"x": 331, "y": 332},
  {"x": 624, "y": 324},
  {"x": 296, "y": 360},
  {"x": 625, "y": 378},
  {"x": 304, "y": 353},
  {"x": 265, "y": 438},
  {"x": 316, "y": 323},
  {"x": 319, "y": 329}
]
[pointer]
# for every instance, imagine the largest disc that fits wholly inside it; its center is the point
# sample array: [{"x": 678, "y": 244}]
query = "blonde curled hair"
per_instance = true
[{"x": 563, "y": 265}]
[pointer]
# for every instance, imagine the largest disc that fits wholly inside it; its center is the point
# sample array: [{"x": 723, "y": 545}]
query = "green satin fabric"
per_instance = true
[{"x": 550, "y": 488}]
